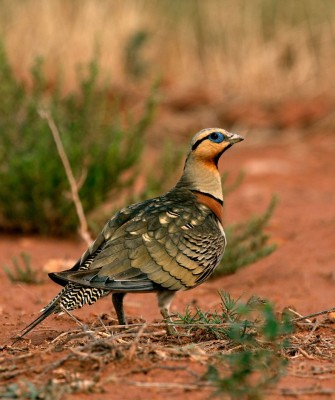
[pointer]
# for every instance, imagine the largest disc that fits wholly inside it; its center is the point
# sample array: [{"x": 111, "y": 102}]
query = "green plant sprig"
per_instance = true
[{"x": 22, "y": 273}]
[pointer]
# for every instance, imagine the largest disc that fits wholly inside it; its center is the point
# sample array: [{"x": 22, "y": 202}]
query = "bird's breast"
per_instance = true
[{"x": 214, "y": 205}]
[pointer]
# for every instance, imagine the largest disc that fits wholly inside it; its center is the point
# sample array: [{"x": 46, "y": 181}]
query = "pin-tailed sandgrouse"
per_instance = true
[{"x": 169, "y": 243}]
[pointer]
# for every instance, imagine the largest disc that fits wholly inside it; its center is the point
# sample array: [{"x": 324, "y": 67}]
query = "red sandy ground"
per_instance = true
[{"x": 300, "y": 273}]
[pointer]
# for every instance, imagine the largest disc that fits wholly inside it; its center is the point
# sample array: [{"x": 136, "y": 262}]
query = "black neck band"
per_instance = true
[{"x": 209, "y": 195}]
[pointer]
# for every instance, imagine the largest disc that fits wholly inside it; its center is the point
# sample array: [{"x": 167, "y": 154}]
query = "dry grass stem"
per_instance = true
[
  {"x": 169, "y": 385},
  {"x": 306, "y": 391},
  {"x": 317, "y": 314},
  {"x": 83, "y": 230},
  {"x": 64, "y": 310},
  {"x": 132, "y": 349}
]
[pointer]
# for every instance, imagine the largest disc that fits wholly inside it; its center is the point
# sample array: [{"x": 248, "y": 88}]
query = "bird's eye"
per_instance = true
[{"x": 216, "y": 137}]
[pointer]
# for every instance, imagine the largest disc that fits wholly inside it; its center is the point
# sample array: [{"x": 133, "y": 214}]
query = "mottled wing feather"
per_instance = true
[{"x": 159, "y": 244}]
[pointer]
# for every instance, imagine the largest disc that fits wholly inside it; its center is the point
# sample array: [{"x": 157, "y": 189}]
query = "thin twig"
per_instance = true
[
  {"x": 83, "y": 230},
  {"x": 174, "y": 368},
  {"x": 306, "y": 391},
  {"x": 314, "y": 315},
  {"x": 304, "y": 353},
  {"x": 315, "y": 325},
  {"x": 135, "y": 342},
  {"x": 84, "y": 327},
  {"x": 84, "y": 355},
  {"x": 170, "y": 385},
  {"x": 73, "y": 317},
  {"x": 61, "y": 335},
  {"x": 104, "y": 326},
  {"x": 298, "y": 316}
]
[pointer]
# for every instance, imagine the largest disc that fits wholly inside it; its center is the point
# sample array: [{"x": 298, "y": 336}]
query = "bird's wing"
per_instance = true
[
  {"x": 160, "y": 245},
  {"x": 85, "y": 261}
]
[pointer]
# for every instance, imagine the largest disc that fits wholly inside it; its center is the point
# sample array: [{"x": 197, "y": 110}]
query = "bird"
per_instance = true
[{"x": 165, "y": 244}]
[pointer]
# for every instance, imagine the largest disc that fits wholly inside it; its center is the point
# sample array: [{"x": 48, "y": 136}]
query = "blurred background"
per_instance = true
[
  {"x": 264, "y": 50},
  {"x": 116, "y": 75}
]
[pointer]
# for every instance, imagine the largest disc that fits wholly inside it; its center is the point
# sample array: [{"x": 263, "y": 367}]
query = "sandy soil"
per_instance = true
[{"x": 300, "y": 273}]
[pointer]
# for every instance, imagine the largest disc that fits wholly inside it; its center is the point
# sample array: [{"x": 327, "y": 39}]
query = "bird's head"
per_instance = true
[
  {"x": 209, "y": 144},
  {"x": 201, "y": 166}
]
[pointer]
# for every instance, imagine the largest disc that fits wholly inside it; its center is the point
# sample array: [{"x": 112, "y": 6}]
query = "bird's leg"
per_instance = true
[
  {"x": 164, "y": 300},
  {"x": 117, "y": 299}
]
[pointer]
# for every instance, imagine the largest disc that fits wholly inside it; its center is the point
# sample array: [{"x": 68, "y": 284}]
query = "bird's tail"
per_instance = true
[
  {"x": 52, "y": 307},
  {"x": 71, "y": 297}
]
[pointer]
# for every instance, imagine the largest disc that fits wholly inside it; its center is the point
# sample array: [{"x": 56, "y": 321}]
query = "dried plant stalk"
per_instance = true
[{"x": 83, "y": 229}]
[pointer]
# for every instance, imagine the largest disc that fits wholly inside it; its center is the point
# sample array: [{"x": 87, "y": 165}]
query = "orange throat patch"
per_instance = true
[{"x": 212, "y": 204}]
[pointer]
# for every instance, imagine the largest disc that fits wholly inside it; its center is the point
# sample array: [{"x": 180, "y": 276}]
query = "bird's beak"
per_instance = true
[{"x": 234, "y": 138}]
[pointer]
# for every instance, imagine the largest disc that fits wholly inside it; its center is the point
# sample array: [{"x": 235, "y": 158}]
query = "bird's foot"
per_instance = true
[{"x": 171, "y": 329}]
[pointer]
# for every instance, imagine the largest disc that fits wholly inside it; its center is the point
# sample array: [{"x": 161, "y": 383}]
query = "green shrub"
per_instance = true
[
  {"x": 24, "y": 389},
  {"x": 253, "y": 339},
  {"x": 134, "y": 64},
  {"x": 24, "y": 273},
  {"x": 101, "y": 142},
  {"x": 247, "y": 242}
]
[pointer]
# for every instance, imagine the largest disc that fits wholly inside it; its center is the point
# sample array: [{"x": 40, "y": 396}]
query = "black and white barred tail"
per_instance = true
[
  {"x": 74, "y": 296},
  {"x": 71, "y": 297}
]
